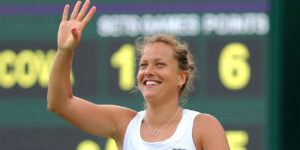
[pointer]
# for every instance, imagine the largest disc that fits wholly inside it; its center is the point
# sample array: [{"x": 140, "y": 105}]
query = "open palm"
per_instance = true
[{"x": 70, "y": 31}]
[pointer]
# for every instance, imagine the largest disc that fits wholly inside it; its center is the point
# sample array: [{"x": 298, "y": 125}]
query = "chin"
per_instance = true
[{"x": 149, "y": 95}]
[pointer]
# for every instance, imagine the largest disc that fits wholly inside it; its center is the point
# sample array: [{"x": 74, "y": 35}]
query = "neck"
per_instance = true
[
  {"x": 159, "y": 102},
  {"x": 158, "y": 115}
]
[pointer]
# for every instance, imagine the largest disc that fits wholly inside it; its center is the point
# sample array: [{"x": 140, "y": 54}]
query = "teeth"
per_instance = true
[{"x": 151, "y": 83}]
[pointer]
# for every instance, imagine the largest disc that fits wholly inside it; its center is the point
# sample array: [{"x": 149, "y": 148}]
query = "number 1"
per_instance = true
[{"x": 124, "y": 60}]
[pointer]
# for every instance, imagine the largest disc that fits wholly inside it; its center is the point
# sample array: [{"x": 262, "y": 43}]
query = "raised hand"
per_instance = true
[{"x": 70, "y": 31}]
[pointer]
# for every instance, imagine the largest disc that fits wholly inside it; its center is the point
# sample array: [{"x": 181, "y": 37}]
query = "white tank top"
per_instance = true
[{"x": 182, "y": 138}]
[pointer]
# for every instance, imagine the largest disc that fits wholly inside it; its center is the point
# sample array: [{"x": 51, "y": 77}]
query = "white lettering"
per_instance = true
[
  {"x": 148, "y": 24},
  {"x": 235, "y": 24},
  {"x": 221, "y": 24}
]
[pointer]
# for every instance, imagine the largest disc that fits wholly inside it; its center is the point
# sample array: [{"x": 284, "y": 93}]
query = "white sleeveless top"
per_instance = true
[{"x": 182, "y": 138}]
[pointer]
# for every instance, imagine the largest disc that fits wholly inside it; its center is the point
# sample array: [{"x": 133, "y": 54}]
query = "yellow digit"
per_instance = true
[
  {"x": 234, "y": 70},
  {"x": 124, "y": 59},
  {"x": 237, "y": 139},
  {"x": 88, "y": 145},
  {"x": 111, "y": 145}
]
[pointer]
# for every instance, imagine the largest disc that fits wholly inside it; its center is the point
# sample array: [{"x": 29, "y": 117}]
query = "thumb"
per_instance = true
[{"x": 74, "y": 33}]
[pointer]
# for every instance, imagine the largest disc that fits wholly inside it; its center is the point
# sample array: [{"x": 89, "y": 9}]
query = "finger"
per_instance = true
[
  {"x": 89, "y": 16},
  {"x": 65, "y": 14},
  {"x": 74, "y": 33},
  {"x": 75, "y": 10},
  {"x": 83, "y": 10}
]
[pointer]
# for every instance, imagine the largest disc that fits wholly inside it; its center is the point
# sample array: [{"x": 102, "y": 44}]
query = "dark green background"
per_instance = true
[{"x": 24, "y": 118}]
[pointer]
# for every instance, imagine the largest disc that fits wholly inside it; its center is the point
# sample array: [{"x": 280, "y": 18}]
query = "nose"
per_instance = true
[{"x": 149, "y": 71}]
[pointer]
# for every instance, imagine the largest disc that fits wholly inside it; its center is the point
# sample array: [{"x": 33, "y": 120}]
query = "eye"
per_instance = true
[
  {"x": 160, "y": 64},
  {"x": 143, "y": 65}
]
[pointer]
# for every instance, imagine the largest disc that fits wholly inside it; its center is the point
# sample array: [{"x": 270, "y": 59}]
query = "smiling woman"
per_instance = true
[
  {"x": 180, "y": 52},
  {"x": 165, "y": 74}
]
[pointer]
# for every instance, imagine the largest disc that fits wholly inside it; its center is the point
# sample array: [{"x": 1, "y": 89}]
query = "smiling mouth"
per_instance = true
[{"x": 151, "y": 83}]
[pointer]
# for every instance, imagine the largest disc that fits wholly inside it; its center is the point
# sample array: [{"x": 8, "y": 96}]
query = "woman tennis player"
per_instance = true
[{"x": 165, "y": 75}]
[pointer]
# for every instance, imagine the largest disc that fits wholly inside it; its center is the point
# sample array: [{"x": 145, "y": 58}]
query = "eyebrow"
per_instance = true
[{"x": 156, "y": 59}]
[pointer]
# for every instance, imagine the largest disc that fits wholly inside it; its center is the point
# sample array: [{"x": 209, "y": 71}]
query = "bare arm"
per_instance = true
[
  {"x": 209, "y": 133},
  {"x": 101, "y": 120}
]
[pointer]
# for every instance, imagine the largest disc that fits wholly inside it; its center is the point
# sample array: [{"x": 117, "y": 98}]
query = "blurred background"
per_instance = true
[{"x": 247, "y": 54}]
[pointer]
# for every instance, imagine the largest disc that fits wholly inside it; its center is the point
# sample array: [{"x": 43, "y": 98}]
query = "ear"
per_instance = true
[{"x": 182, "y": 77}]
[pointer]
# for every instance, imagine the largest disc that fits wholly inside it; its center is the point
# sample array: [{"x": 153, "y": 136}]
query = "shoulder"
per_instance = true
[
  {"x": 202, "y": 119},
  {"x": 206, "y": 120},
  {"x": 208, "y": 131},
  {"x": 207, "y": 123},
  {"x": 122, "y": 116}
]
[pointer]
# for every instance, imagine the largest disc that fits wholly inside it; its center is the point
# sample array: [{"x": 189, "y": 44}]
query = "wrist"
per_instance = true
[{"x": 65, "y": 52}]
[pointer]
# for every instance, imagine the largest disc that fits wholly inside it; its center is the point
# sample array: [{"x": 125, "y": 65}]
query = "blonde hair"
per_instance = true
[{"x": 181, "y": 53}]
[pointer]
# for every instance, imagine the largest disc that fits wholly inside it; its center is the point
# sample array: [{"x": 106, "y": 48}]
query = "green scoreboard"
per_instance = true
[{"x": 228, "y": 38}]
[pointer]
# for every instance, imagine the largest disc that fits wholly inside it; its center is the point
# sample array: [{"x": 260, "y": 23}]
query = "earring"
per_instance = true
[{"x": 180, "y": 86}]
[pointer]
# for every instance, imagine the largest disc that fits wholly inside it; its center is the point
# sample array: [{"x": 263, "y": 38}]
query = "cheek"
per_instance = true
[
  {"x": 174, "y": 78},
  {"x": 139, "y": 76}
]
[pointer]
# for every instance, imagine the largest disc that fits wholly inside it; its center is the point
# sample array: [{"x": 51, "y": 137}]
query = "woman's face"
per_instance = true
[{"x": 159, "y": 76}]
